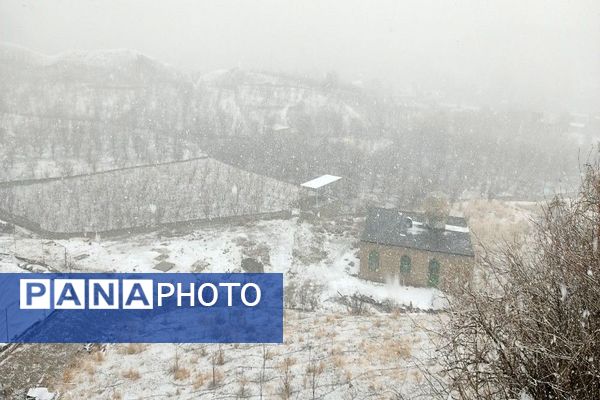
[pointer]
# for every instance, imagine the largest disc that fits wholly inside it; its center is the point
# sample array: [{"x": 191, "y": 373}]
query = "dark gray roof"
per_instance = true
[{"x": 391, "y": 227}]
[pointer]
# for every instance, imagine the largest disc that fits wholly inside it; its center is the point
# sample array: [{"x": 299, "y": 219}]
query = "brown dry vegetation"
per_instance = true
[
  {"x": 494, "y": 221},
  {"x": 132, "y": 348},
  {"x": 131, "y": 374}
]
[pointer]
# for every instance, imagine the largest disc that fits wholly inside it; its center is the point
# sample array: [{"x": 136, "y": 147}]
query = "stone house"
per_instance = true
[{"x": 402, "y": 246}]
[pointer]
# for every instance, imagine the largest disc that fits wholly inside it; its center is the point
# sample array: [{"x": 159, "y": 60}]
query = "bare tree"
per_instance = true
[
  {"x": 286, "y": 389},
  {"x": 531, "y": 328},
  {"x": 314, "y": 369}
]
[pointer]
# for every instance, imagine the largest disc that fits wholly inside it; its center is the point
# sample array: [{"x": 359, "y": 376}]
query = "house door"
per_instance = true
[
  {"x": 434, "y": 273},
  {"x": 405, "y": 267}
]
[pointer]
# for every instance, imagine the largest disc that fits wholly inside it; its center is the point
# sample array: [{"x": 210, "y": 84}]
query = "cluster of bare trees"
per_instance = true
[
  {"x": 487, "y": 153},
  {"x": 134, "y": 111},
  {"x": 530, "y": 328},
  {"x": 147, "y": 196}
]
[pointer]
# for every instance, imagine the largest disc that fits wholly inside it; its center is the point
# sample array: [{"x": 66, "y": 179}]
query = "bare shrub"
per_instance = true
[
  {"x": 305, "y": 297},
  {"x": 217, "y": 376},
  {"x": 286, "y": 390},
  {"x": 132, "y": 348},
  {"x": 220, "y": 356},
  {"x": 181, "y": 374},
  {"x": 131, "y": 374},
  {"x": 314, "y": 370},
  {"x": 98, "y": 356},
  {"x": 200, "y": 380},
  {"x": 69, "y": 375},
  {"x": 532, "y": 328},
  {"x": 243, "y": 389},
  {"x": 355, "y": 304}
]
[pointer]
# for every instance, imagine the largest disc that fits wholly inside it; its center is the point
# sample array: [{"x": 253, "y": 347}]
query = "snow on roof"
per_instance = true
[
  {"x": 456, "y": 228},
  {"x": 391, "y": 227},
  {"x": 320, "y": 181},
  {"x": 280, "y": 127}
]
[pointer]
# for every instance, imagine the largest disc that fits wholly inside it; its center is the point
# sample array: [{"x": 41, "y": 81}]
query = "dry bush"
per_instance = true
[
  {"x": 348, "y": 376},
  {"x": 132, "y": 348},
  {"x": 181, "y": 373},
  {"x": 356, "y": 304},
  {"x": 203, "y": 351},
  {"x": 335, "y": 350},
  {"x": 305, "y": 297},
  {"x": 321, "y": 333},
  {"x": 72, "y": 370},
  {"x": 178, "y": 372},
  {"x": 131, "y": 374},
  {"x": 399, "y": 348},
  {"x": 286, "y": 377},
  {"x": 220, "y": 357},
  {"x": 338, "y": 361},
  {"x": 387, "y": 350},
  {"x": 331, "y": 318},
  {"x": 200, "y": 380},
  {"x": 69, "y": 374},
  {"x": 98, "y": 356},
  {"x": 417, "y": 376},
  {"x": 314, "y": 370},
  {"x": 88, "y": 367},
  {"x": 243, "y": 390},
  {"x": 531, "y": 330},
  {"x": 269, "y": 355},
  {"x": 492, "y": 221}
]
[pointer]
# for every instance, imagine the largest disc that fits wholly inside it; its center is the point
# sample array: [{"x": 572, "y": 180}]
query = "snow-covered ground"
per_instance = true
[
  {"x": 325, "y": 355},
  {"x": 342, "y": 354},
  {"x": 303, "y": 251}
]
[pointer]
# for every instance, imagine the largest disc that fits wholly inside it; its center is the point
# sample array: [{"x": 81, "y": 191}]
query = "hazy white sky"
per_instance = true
[{"x": 543, "y": 53}]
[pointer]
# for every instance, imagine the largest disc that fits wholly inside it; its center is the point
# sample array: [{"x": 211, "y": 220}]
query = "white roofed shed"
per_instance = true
[
  {"x": 319, "y": 184},
  {"x": 321, "y": 181}
]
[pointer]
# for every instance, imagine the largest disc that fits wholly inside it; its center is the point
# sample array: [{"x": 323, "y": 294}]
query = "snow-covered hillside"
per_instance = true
[
  {"x": 151, "y": 196},
  {"x": 260, "y": 102},
  {"x": 328, "y": 347}
]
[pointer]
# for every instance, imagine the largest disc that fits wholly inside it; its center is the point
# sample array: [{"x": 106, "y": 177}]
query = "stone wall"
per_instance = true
[{"x": 454, "y": 269}]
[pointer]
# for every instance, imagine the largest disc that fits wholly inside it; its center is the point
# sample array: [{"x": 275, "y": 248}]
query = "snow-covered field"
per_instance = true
[
  {"x": 328, "y": 350},
  {"x": 325, "y": 355},
  {"x": 323, "y": 253}
]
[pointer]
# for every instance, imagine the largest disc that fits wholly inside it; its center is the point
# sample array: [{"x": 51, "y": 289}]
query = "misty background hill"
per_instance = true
[{"x": 86, "y": 112}]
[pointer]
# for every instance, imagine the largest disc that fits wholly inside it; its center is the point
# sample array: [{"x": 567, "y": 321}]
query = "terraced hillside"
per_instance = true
[
  {"x": 89, "y": 111},
  {"x": 145, "y": 197}
]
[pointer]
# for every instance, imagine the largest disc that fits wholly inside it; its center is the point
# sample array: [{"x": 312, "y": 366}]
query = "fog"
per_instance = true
[
  {"x": 415, "y": 185},
  {"x": 538, "y": 54}
]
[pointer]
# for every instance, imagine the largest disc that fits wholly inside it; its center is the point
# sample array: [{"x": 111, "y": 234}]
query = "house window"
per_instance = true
[
  {"x": 374, "y": 260},
  {"x": 434, "y": 273},
  {"x": 405, "y": 264}
]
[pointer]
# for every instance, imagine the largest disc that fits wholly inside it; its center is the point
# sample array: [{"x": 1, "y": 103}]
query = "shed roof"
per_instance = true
[
  {"x": 391, "y": 227},
  {"x": 320, "y": 181}
]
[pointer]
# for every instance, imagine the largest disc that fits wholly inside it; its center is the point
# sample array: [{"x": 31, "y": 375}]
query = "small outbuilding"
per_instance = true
[
  {"x": 318, "y": 192},
  {"x": 411, "y": 249}
]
